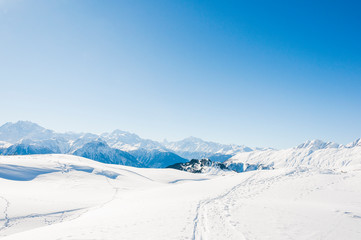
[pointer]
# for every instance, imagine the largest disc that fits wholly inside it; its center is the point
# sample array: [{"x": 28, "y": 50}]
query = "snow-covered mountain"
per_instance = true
[
  {"x": 100, "y": 151},
  {"x": 120, "y": 147},
  {"x": 24, "y": 137},
  {"x": 14, "y": 132},
  {"x": 354, "y": 144},
  {"x": 25, "y": 149},
  {"x": 315, "y": 153},
  {"x": 196, "y": 148},
  {"x": 129, "y": 141},
  {"x": 156, "y": 158},
  {"x": 307, "y": 190},
  {"x": 117, "y": 147}
]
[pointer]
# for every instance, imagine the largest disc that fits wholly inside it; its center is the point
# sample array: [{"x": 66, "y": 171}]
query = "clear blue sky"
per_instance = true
[{"x": 259, "y": 73}]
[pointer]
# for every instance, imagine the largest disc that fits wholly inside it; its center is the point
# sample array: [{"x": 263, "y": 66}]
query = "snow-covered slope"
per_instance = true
[
  {"x": 13, "y": 132},
  {"x": 156, "y": 158},
  {"x": 129, "y": 141},
  {"x": 4, "y": 144},
  {"x": 197, "y": 148},
  {"x": 53, "y": 197},
  {"x": 311, "y": 153},
  {"x": 149, "y": 153},
  {"x": 101, "y": 152},
  {"x": 41, "y": 190}
]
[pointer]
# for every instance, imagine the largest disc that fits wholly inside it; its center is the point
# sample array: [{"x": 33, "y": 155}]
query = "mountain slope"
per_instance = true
[
  {"x": 156, "y": 158},
  {"x": 51, "y": 197},
  {"x": 29, "y": 138},
  {"x": 126, "y": 141},
  {"x": 312, "y": 153},
  {"x": 101, "y": 152},
  {"x": 22, "y": 138},
  {"x": 197, "y": 148},
  {"x": 25, "y": 149},
  {"x": 13, "y": 132}
]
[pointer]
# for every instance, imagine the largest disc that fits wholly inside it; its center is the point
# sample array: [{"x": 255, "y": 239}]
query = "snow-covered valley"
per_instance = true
[{"x": 69, "y": 197}]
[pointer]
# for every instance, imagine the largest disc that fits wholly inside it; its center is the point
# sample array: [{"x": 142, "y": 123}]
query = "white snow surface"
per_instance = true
[
  {"x": 313, "y": 153},
  {"x": 68, "y": 197},
  {"x": 4, "y": 144}
]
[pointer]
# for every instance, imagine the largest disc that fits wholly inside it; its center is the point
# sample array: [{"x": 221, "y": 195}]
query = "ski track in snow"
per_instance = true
[
  {"x": 234, "y": 206},
  {"x": 6, "y": 216},
  {"x": 216, "y": 211},
  {"x": 57, "y": 216},
  {"x": 215, "y": 216},
  {"x": 200, "y": 228}
]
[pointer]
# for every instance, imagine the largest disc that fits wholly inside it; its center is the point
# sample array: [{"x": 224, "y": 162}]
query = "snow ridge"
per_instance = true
[{"x": 313, "y": 153}]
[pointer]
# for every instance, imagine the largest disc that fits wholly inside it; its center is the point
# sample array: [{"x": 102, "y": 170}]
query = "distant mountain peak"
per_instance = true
[
  {"x": 193, "y": 147},
  {"x": 13, "y": 132},
  {"x": 355, "y": 143},
  {"x": 122, "y": 133},
  {"x": 193, "y": 139},
  {"x": 21, "y": 124},
  {"x": 318, "y": 144},
  {"x": 154, "y": 153}
]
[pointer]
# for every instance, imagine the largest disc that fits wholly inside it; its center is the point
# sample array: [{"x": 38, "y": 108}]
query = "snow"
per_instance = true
[
  {"x": 13, "y": 132},
  {"x": 312, "y": 153},
  {"x": 68, "y": 197},
  {"x": 318, "y": 144},
  {"x": 4, "y": 144}
]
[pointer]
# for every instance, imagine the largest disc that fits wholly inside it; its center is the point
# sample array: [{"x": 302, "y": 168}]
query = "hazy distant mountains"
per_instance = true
[
  {"x": 315, "y": 153},
  {"x": 120, "y": 147},
  {"x": 196, "y": 148},
  {"x": 117, "y": 147}
]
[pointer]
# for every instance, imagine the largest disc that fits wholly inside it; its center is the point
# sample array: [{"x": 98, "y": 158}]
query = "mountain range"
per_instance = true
[
  {"x": 117, "y": 147},
  {"x": 124, "y": 148},
  {"x": 315, "y": 153}
]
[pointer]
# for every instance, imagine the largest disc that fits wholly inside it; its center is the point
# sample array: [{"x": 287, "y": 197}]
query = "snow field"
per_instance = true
[{"x": 68, "y": 197}]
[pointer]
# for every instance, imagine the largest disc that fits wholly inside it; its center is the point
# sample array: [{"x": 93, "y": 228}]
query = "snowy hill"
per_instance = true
[
  {"x": 51, "y": 197},
  {"x": 310, "y": 154}
]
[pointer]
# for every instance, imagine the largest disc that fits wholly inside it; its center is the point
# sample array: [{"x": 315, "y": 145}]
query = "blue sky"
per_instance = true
[{"x": 259, "y": 73}]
